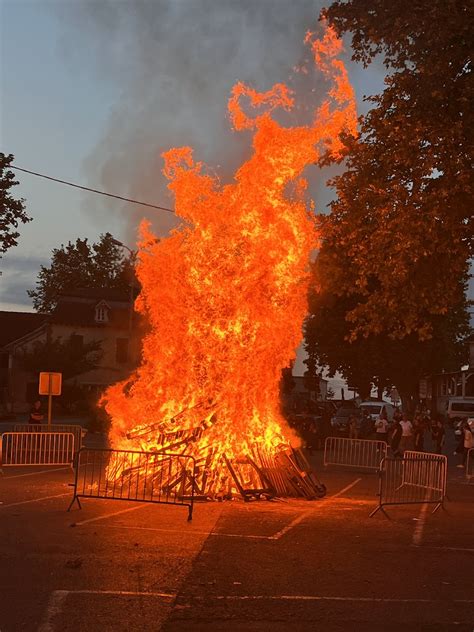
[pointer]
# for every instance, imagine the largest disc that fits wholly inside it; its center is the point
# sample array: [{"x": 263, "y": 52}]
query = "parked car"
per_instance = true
[
  {"x": 459, "y": 408},
  {"x": 340, "y": 420},
  {"x": 376, "y": 408}
]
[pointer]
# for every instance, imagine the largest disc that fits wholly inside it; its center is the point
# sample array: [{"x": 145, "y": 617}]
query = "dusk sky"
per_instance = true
[{"x": 93, "y": 92}]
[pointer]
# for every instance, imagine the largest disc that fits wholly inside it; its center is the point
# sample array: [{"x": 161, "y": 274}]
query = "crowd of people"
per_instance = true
[
  {"x": 401, "y": 434},
  {"x": 410, "y": 434}
]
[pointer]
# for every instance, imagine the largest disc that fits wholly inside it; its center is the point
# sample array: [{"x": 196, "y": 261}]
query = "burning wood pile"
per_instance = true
[
  {"x": 259, "y": 474},
  {"x": 225, "y": 297}
]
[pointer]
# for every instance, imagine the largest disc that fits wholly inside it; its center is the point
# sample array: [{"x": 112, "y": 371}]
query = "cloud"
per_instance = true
[{"x": 18, "y": 275}]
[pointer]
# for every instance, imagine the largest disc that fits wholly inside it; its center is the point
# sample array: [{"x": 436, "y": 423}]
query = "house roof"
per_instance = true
[
  {"x": 83, "y": 314},
  {"x": 14, "y": 325},
  {"x": 97, "y": 293}
]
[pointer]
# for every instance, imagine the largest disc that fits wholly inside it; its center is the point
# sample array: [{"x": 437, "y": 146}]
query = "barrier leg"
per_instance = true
[
  {"x": 375, "y": 510},
  {"x": 75, "y": 499},
  {"x": 190, "y": 513}
]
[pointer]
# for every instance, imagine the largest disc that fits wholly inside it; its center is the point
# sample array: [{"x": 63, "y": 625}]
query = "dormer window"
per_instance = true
[{"x": 102, "y": 312}]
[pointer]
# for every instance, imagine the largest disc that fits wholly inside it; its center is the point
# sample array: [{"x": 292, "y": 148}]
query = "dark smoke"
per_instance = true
[{"x": 174, "y": 63}]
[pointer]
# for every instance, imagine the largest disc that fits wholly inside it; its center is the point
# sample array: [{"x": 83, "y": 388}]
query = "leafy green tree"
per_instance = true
[
  {"x": 12, "y": 211},
  {"x": 403, "y": 212},
  {"x": 81, "y": 265}
]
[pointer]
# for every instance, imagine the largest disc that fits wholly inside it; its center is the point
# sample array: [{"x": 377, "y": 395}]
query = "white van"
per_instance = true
[
  {"x": 460, "y": 408},
  {"x": 375, "y": 409}
]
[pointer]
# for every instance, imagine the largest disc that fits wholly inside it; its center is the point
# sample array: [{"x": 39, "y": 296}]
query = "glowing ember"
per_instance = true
[{"x": 225, "y": 294}]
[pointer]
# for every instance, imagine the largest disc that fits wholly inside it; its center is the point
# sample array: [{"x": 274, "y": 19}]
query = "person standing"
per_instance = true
[
  {"x": 381, "y": 427},
  {"x": 353, "y": 433},
  {"x": 406, "y": 441},
  {"x": 419, "y": 432},
  {"x": 395, "y": 438},
  {"x": 438, "y": 435},
  {"x": 36, "y": 413},
  {"x": 468, "y": 442}
]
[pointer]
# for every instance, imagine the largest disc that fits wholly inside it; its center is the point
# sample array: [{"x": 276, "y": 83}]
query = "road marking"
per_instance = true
[
  {"x": 34, "y": 500},
  {"x": 53, "y": 609},
  {"x": 57, "y": 469},
  {"x": 350, "y": 486},
  {"x": 305, "y": 514},
  {"x": 115, "y": 513},
  {"x": 275, "y": 536},
  {"x": 420, "y": 525},
  {"x": 180, "y": 531},
  {"x": 320, "y": 598},
  {"x": 290, "y": 526},
  {"x": 58, "y": 597},
  {"x": 447, "y": 548}
]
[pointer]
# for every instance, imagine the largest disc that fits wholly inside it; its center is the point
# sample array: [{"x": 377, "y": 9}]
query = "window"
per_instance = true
[
  {"x": 101, "y": 313},
  {"x": 121, "y": 350}
]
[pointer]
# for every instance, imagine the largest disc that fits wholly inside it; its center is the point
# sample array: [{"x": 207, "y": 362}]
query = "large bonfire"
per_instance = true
[{"x": 225, "y": 294}]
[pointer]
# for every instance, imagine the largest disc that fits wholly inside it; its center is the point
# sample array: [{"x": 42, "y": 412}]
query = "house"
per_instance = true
[{"x": 83, "y": 315}]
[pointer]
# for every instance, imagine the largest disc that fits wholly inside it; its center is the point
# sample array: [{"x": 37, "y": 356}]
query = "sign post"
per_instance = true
[{"x": 50, "y": 384}]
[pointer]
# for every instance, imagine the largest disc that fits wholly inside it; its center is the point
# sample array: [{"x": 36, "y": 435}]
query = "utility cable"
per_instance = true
[{"x": 79, "y": 186}]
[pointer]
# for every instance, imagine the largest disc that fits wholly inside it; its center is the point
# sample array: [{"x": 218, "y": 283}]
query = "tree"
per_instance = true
[
  {"x": 80, "y": 265},
  {"x": 403, "y": 212},
  {"x": 63, "y": 356},
  {"x": 380, "y": 360},
  {"x": 71, "y": 357},
  {"x": 389, "y": 298},
  {"x": 12, "y": 211}
]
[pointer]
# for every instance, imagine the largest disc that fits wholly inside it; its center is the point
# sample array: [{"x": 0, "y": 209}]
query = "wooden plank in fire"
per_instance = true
[
  {"x": 208, "y": 406},
  {"x": 299, "y": 479},
  {"x": 247, "y": 494}
]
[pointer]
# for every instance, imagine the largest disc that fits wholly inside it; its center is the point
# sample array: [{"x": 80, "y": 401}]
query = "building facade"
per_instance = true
[{"x": 81, "y": 316}]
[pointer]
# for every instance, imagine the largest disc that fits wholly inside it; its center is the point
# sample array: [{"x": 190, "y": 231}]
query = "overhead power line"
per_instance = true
[{"x": 79, "y": 186}]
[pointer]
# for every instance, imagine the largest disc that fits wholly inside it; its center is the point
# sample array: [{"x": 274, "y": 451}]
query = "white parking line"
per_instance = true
[
  {"x": 350, "y": 486},
  {"x": 58, "y": 597},
  {"x": 420, "y": 525},
  {"x": 57, "y": 469},
  {"x": 323, "y": 598},
  {"x": 305, "y": 514},
  {"x": 115, "y": 513},
  {"x": 190, "y": 532},
  {"x": 275, "y": 536},
  {"x": 34, "y": 500}
]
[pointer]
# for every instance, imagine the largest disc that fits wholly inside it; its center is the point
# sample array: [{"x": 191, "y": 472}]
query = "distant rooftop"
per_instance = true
[
  {"x": 108, "y": 294},
  {"x": 14, "y": 325}
]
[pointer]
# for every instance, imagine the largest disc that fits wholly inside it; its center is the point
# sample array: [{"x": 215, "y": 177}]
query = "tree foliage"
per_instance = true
[
  {"x": 63, "y": 356},
  {"x": 403, "y": 213},
  {"x": 82, "y": 265},
  {"x": 12, "y": 211},
  {"x": 389, "y": 302},
  {"x": 379, "y": 360}
]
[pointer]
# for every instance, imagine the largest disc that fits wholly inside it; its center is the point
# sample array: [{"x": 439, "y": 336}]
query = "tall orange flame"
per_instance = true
[{"x": 226, "y": 293}]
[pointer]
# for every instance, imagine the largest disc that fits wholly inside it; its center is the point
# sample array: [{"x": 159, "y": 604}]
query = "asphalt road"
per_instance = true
[{"x": 297, "y": 565}]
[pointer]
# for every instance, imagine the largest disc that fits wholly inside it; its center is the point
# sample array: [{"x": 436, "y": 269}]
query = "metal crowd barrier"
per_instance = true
[
  {"x": 417, "y": 478},
  {"x": 358, "y": 453},
  {"x": 470, "y": 464},
  {"x": 77, "y": 431},
  {"x": 36, "y": 448},
  {"x": 152, "y": 477}
]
